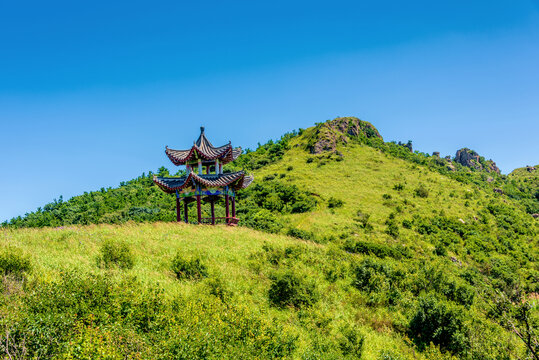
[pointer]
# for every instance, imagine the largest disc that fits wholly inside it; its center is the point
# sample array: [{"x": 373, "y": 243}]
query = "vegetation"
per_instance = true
[{"x": 363, "y": 250}]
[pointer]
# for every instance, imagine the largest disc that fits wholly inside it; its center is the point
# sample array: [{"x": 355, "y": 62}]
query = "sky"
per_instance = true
[{"x": 91, "y": 92}]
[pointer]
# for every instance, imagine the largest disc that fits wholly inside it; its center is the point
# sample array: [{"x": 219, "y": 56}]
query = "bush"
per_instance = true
[
  {"x": 379, "y": 250},
  {"x": 335, "y": 203},
  {"x": 263, "y": 220},
  {"x": 115, "y": 254},
  {"x": 392, "y": 228},
  {"x": 190, "y": 268},
  {"x": 352, "y": 341},
  {"x": 437, "y": 322},
  {"x": 14, "y": 262},
  {"x": 363, "y": 220},
  {"x": 290, "y": 289},
  {"x": 300, "y": 234},
  {"x": 422, "y": 191},
  {"x": 398, "y": 187},
  {"x": 218, "y": 288}
]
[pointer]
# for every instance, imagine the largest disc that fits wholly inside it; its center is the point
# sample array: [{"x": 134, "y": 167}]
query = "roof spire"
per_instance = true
[{"x": 202, "y": 130}]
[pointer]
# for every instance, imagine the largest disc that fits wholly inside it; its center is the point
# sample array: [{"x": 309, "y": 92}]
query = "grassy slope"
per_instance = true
[
  {"x": 229, "y": 254},
  {"x": 361, "y": 179}
]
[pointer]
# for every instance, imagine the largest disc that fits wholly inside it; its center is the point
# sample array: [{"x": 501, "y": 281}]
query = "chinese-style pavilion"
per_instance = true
[{"x": 199, "y": 185}]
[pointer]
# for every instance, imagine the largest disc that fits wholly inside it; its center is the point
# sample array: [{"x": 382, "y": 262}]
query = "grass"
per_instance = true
[
  {"x": 361, "y": 179},
  {"x": 233, "y": 254}
]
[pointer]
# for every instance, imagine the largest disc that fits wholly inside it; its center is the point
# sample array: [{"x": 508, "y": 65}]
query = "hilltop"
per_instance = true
[{"x": 357, "y": 246}]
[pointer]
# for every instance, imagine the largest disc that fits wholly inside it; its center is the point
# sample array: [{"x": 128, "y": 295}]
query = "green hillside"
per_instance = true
[
  {"x": 523, "y": 184},
  {"x": 357, "y": 248}
]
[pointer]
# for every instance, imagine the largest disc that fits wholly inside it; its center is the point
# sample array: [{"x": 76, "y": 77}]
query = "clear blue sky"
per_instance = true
[{"x": 91, "y": 92}]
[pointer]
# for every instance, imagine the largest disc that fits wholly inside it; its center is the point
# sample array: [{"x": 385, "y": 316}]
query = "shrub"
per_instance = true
[
  {"x": 188, "y": 268},
  {"x": 218, "y": 288},
  {"x": 386, "y": 196},
  {"x": 14, "y": 262},
  {"x": 379, "y": 250},
  {"x": 263, "y": 220},
  {"x": 363, "y": 220},
  {"x": 352, "y": 341},
  {"x": 290, "y": 289},
  {"x": 407, "y": 224},
  {"x": 398, "y": 187},
  {"x": 335, "y": 203},
  {"x": 437, "y": 322},
  {"x": 392, "y": 228},
  {"x": 422, "y": 191},
  {"x": 440, "y": 250},
  {"x": 300, "y": 234},
  {"x": 115, "y": 254}
]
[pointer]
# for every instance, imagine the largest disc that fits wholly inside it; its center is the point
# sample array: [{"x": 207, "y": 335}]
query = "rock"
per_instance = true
[
  {"x": 535, "y": 216},
  {"x": 339, "y": 131},
  {"x": 489, "y": 179},
  {"x": 407, "y": 145},
  {"x": 456, "y": 261},
  {"x": 499, "y": 191},
  {"x": 471, "y": 159},
  {"x": 450, "y": 167},
  {"x": 530, "y": 168},
  {"x": 462, "y": 221}
]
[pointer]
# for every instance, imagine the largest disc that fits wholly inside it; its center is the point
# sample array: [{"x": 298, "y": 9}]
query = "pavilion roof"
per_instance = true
[
  {"x": 236, "y": 180},
  {"x": 204, "y": 149}
]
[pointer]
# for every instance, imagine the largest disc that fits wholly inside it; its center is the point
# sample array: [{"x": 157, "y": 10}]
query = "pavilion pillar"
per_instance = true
[
  {"x": 208, "y": 169},
  {"x": 233, "y": 206},
  {"x": 199, "y": 167},
  {"x": 226, "y": 206},
  {"x": 178, "y": 215},
  {"x": 199, "y": 211},
  {"x": 212, "y": 203},
  {"x": 220, "y": 168},
  {"x": 217, "y": 166},
  {"x": 185, "y": 210}
]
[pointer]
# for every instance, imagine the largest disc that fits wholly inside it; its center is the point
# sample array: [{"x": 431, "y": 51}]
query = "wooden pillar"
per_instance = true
[
  {"x": 199, "y": 211},
  {"x": 220, "y": 168},
  {"x": 233, "y": 206},
  {"x": 217, "y": 166},
  {"x": 226, "y": 206},
  {"x": 208, "y": 169},
  {"x": 178, "y": 215},
  {"x": 185, "y": 210},
  {"x": 212, "y": 203},
  {"x": 199, "y": 167}
]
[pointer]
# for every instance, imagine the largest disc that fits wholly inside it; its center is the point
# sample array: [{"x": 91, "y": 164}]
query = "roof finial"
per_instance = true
[{"x": 202, "y": 130}]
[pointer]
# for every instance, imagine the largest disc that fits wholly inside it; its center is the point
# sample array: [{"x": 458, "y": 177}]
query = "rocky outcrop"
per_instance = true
[
  {"x": 531, "y": 168},
  {"x": 471, "y": 159},
  {"x": 339, "y": 131}
]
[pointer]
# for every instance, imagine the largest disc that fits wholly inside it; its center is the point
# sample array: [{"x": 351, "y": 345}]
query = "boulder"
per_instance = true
[
  {"x": 339, "y": 131},
  {"x": 471, "y": 159}
]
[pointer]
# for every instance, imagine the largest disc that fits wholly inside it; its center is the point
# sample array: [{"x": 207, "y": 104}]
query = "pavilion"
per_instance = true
[{"x": 204, "y": 179}]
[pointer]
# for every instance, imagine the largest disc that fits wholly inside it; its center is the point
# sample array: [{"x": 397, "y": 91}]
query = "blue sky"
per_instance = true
[{"x": 90, "y": 93}]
